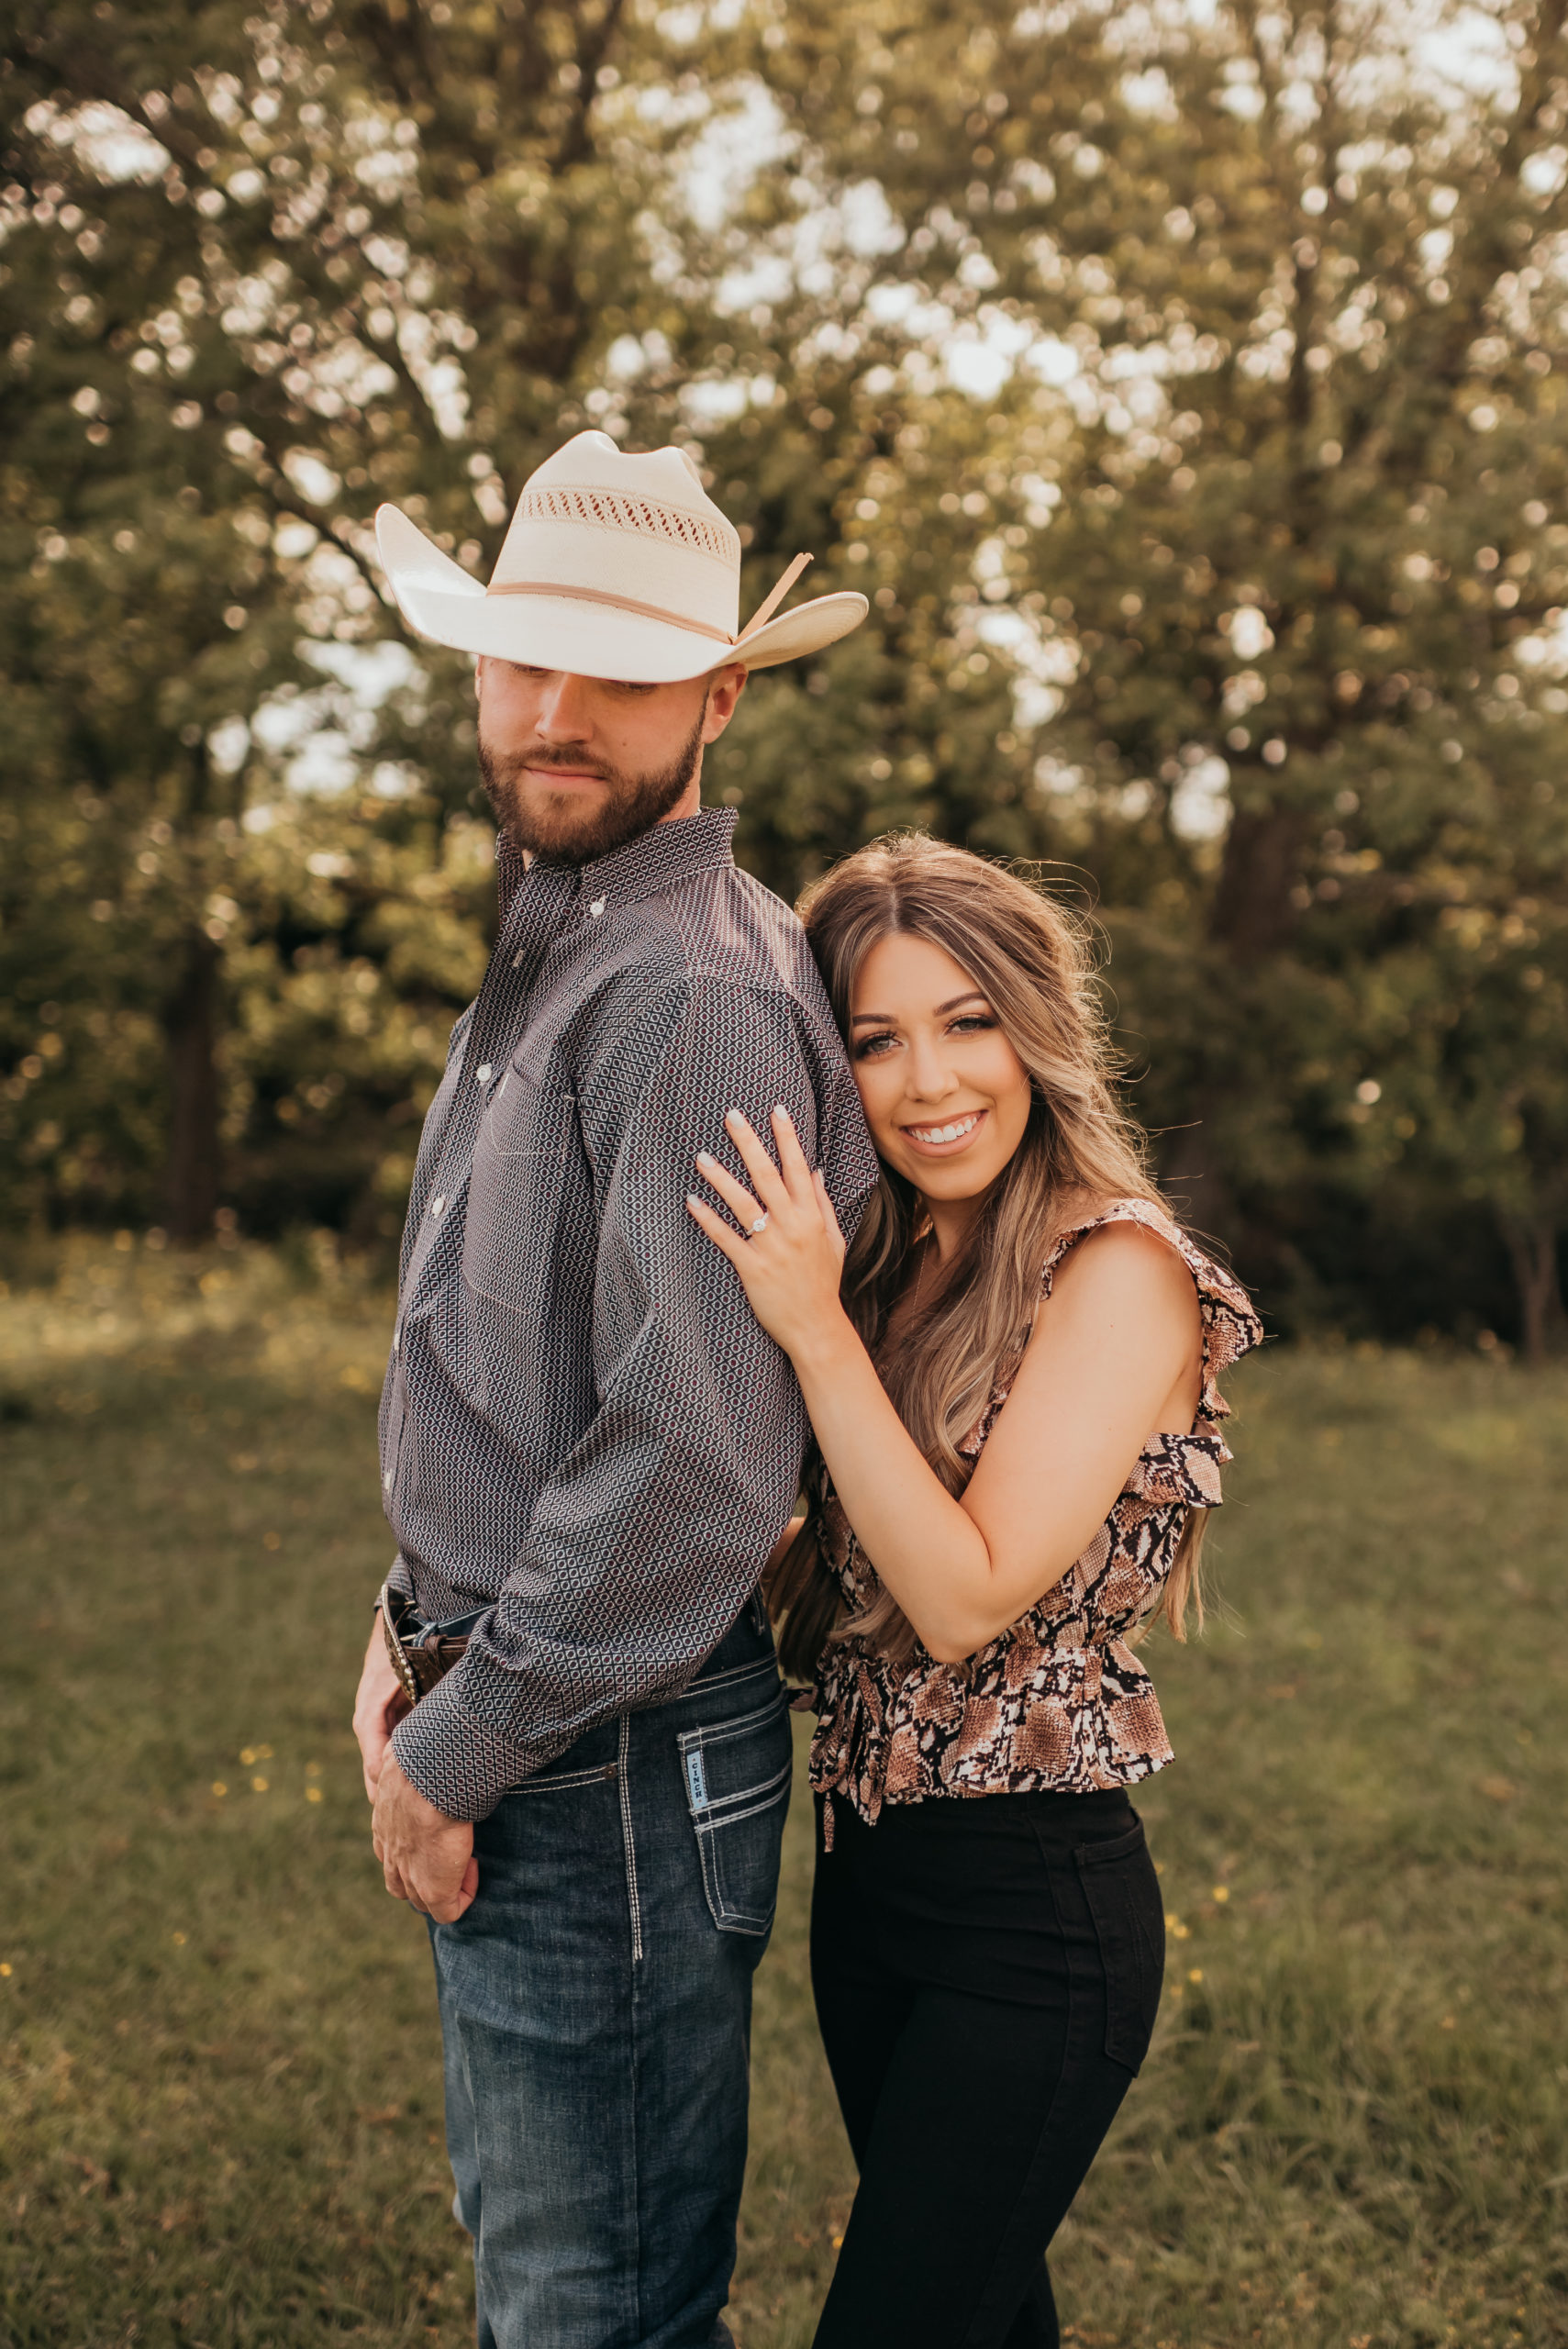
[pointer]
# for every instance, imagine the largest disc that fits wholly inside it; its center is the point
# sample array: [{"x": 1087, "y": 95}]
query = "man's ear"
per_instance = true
[
  {"x": 479, "y": 678},
  {"x": 725, "y": 689}
]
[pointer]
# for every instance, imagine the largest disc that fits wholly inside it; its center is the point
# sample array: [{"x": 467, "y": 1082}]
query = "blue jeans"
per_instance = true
[{"x": 595, "y": 2014}]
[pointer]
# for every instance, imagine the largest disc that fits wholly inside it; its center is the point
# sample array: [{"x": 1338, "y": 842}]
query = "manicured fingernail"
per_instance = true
[
  {"x": 780, "y": 1111},
  {"x": 733, "y": 1118},
  {"x": 706, "y": 1158},
  {"x": 693, "y": 1200}
]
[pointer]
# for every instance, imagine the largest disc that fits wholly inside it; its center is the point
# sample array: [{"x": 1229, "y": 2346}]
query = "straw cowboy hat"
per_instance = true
[{"x": 614, "y": 566}]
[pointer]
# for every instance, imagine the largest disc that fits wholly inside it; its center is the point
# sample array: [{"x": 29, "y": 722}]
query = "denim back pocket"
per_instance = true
[
  {"x": 1123, "y": 1895},
  {"x": 736, "y": 1776}
]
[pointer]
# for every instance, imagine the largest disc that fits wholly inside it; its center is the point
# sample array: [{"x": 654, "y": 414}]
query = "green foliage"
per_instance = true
[
  {"x": 1186, "y": 395},
  {"x": 220, "y": 2108},
  {"x": 1281, "y": 542}
]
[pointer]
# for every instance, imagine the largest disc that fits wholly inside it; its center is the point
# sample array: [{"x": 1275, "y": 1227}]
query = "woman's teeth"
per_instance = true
[{"x": 954, "y": 1132}]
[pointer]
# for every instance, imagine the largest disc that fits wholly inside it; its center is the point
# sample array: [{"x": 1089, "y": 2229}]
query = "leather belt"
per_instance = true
[{"x": 422, "y": 1653}]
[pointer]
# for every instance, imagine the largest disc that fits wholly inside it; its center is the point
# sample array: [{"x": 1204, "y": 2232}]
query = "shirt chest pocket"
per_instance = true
[{"x": 526, "y": 1159}]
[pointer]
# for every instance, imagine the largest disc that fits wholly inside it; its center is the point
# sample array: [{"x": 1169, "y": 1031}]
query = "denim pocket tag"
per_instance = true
[{"x": 738, "y": 1776}]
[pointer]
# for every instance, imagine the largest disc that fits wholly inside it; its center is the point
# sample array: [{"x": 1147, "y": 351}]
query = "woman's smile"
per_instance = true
[{"x": 947, "y": 1139}]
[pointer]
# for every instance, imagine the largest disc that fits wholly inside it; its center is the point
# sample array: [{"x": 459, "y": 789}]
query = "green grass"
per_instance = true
[{"x": 220, "y": 2106}]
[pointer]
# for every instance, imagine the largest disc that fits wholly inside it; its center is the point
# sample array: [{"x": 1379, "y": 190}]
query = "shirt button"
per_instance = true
[
  {"x": 483, "y": 1072},
  {"x": 597, "y": 907},
  {"x": 437, "y": 1205},
  {"x": 387, "y": 1482}
]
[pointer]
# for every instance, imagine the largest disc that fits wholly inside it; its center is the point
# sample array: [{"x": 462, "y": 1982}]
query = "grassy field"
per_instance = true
[{"x": 219, "y": 2113}]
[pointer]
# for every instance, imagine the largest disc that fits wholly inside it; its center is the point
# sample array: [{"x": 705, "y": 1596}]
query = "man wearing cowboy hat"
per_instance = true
[{"x": 574, "y": 1736}]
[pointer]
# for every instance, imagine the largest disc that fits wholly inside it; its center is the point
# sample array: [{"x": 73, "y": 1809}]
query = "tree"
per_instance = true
[
  {"x": 1270, "y": 508},
  {"x": 265, "y": 268},
  {"x": 1184, "y": 393}
]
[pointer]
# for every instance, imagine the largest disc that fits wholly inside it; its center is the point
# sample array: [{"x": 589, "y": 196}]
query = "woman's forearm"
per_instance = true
[{"x": 927, "y": 1549}]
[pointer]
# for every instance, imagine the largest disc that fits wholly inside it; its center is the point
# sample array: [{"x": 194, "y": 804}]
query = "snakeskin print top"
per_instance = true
[{"x": 1060, "y": 1700}]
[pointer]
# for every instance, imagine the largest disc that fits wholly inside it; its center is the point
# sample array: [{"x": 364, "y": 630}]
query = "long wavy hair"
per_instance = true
[{"x": 1032, "y": 959}]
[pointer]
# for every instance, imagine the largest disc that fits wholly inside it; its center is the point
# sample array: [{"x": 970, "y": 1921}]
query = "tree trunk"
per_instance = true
[
  {"x": 1252, "y": 914},
  {"x": 1532, "y": 1249},
  {"x": 190, "y": 1029},
  {"x": 1251, "y": 917}
]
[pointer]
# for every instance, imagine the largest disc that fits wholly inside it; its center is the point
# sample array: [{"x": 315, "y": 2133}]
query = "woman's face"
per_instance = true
[{"x": 946, "y": 1097}]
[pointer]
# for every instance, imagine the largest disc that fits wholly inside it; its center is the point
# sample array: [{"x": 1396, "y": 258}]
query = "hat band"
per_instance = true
[
  {"x": 760, "y": 619},
  {"x": 620, "y": 603}
]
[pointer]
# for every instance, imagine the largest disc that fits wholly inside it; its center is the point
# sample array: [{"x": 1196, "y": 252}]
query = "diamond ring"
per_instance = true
[{"x": 761, "y": 1225}]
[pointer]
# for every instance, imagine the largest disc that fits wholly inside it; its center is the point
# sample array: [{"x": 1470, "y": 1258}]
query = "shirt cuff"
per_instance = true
[{"x": 456, "y": 1763}]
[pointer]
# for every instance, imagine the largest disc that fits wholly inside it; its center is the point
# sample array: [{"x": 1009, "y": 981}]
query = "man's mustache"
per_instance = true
[{"x": 539, "y": 757}]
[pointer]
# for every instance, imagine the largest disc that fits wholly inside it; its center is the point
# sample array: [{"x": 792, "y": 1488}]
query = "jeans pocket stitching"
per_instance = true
[
  {"x": 761, "y": 1797},
  {"x": 728, "y": 1912},
  {"x": 704, "y": 1687},
  {"x": 712, "y": 1821},
  {"x": 724, "y": 1730}
]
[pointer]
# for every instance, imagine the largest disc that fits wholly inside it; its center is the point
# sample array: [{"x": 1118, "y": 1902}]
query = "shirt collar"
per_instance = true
[{"x": 654, "y": 861}]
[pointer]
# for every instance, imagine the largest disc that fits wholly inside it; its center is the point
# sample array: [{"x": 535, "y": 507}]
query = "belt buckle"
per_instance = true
[{"x": 394, "y": 1610}]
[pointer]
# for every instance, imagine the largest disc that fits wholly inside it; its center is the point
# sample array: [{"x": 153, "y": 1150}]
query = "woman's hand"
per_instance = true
[{"x": 790, "y": 1267}]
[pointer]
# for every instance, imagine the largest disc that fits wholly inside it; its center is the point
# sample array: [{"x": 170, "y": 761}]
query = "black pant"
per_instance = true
[{"x": 987, "y": 1973}]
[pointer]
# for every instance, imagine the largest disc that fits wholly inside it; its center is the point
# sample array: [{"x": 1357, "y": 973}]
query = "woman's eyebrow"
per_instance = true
[{"x": 886, "y": 1018}]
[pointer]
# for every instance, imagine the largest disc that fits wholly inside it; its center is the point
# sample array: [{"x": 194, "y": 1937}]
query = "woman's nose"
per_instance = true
[{"x": 930, "y": 1078}]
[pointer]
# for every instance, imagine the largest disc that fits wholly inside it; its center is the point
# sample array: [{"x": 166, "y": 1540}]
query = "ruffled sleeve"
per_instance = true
[
  {"x": 1183, "y": 1468},
  {"x": 1230, "y": 1324}
]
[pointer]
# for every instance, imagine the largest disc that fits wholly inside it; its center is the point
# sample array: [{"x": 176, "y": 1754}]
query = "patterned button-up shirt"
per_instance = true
[{"x": 585, "y": 1430}]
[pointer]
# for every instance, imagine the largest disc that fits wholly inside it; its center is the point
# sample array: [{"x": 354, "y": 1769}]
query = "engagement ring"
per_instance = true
[{"x": 761, "y": 1225}]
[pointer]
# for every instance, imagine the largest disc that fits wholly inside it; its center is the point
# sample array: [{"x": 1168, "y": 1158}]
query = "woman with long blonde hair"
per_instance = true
[{"x": 1011, "y": 1374}]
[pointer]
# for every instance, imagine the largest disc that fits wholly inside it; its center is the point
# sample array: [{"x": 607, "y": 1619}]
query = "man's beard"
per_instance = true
[{"x": 561, "y": 829}]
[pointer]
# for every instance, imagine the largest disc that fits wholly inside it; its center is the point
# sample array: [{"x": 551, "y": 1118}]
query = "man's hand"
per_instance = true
[
  {"x": 428, "y": 1858},
  {"x": 378, "y": 1707}
]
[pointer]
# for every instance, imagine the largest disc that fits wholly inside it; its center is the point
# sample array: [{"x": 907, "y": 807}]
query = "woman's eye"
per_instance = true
[
  {"x": 869, "y": 1045},
  {"x": 973, "y": 1023}
]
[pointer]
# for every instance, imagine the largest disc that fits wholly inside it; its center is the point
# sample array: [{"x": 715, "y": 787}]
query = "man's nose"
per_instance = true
[{"x": 565, "y": 712}]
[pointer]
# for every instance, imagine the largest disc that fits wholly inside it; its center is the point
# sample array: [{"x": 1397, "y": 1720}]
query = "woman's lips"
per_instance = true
[{"x": 945, "y": 1137}]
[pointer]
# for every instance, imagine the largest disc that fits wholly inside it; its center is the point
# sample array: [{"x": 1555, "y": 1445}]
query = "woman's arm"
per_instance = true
[{"x": 1114, "y": 1354}]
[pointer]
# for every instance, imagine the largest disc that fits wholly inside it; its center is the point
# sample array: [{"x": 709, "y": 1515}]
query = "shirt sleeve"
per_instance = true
[{"x": 652, "y": 1532}]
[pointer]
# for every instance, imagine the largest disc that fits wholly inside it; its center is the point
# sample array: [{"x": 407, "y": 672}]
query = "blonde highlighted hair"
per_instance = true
[{"x": 1030, "y": 957}]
